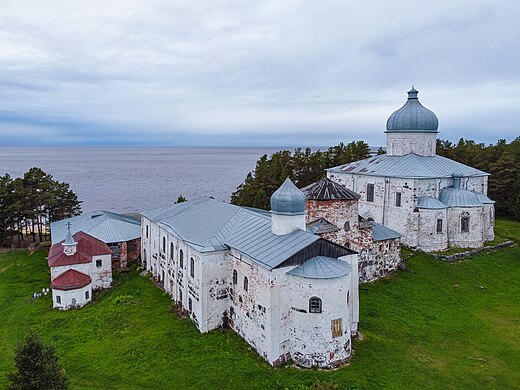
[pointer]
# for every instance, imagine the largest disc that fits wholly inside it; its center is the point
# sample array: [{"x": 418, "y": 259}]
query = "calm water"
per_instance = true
[{"x": 128, "y": 179}]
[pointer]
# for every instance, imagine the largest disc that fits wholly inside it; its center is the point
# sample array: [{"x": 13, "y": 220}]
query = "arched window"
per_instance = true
[
  {"x": 171, "y": 250},
  {"x": 192, "y": 267},
  {"x": 164, "y": 244},
  {"x": 235, "y": 276},
  {"x": 181, "y": 259},
  {"x": 464, "y": 223},
  {"x": 190, "y": 305},
  {"x": 246, "y": 283},
  {"x": 315, "y": 305},
  {"x": 146, "y": 231}
]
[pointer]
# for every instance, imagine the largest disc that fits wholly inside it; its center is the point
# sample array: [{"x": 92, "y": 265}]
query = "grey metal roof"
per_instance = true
[
  {"x": 288, "y": 199},
  {"x": 409, "y": 166},
  {"x": 326, "y": 189},
  {"x": 209, "y": 225},
  {"x": 104, "y": 225},
  {"x": 484, "y": 198},
  {"x": 69, "y": 241},
  {"x": 381, "y": 233},
  {"x": 321, "y": 267},
  {"x": 412, "y": 117},
  {"x": 429, "y": 202},
  {"x": 456, "y": 197},
  {"x": 321, "y": 225}
]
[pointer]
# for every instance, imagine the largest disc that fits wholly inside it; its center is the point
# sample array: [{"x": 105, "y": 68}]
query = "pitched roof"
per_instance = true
[
  {"x": 71, "y": 280},
  {"x": 326, "y": 189},
  {"x": 321, "y": 267},
  {"x": 409, "y": 166},
  {"x": 210, "y": 225},
  {"x": 87, "y": 247},
  {"x": 381, "y": 233},
  {"x": 107, "y": 226},
  {"x": 321, "y": 225}
]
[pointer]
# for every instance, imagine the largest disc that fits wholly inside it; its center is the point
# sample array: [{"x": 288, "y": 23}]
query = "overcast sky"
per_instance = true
[{"x": 254, "y": 72}]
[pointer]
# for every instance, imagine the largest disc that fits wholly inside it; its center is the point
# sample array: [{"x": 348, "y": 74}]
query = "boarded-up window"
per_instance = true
[
  {"x": 337, "y": 328},
  {"x": 370, "y": 192},
  {"x": 439, "y": 226},
  {"x": 315, "y": 305},
  {"x": 398, "y": 199}
]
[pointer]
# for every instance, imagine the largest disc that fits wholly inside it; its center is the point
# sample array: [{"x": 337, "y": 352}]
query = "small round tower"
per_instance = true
[
  {"x": 69, "y": 245},
  {"x": 287, "y": 209}
]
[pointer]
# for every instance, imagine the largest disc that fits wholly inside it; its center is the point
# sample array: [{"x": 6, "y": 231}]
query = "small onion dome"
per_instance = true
[
  {"x": 288, "y": 199},
  {"x": 412, "y": 117}
]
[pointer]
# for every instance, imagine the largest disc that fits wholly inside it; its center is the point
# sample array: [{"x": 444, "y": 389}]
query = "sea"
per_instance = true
[{"x": 134, "y": 179}]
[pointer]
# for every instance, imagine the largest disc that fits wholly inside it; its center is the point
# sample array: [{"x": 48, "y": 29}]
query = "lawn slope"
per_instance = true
[{"x": 434, "y": 326}]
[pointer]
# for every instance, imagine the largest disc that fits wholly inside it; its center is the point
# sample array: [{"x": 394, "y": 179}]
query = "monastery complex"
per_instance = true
[{"x": 287, "y": 280}]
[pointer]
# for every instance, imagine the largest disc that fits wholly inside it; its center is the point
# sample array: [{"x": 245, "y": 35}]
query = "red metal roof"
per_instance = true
[
  {"x": 71, "y": 280},
  {"x": 87, "y": 247}
]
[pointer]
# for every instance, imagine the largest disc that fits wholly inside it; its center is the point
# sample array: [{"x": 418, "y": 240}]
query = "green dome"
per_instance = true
[
  {"x": 288, "y": 199},
  {"x": 412, "y": 117}
]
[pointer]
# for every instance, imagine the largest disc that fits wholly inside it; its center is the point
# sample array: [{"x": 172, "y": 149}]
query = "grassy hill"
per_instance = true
[{"x": 434, "y": 325}]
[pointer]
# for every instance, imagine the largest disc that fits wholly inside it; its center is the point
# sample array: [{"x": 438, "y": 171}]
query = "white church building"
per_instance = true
[
  {"x": 288, "y": 292},
  {"x": 79, "y": 265},
  {"x": 434, "y": 202}
]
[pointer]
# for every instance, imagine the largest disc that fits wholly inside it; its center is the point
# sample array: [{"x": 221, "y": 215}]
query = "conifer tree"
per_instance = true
[{"x": 37, "y": 366}]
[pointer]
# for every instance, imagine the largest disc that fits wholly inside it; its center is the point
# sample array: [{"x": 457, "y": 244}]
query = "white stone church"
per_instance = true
[
  {"x": 434, "y": 202},
  {"x": 288, "y": 292}
]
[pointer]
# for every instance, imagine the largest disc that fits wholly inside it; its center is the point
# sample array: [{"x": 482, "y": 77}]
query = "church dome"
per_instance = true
[
  {"x": 412, "y": 117},
  {"x": 288, "y": 199}
]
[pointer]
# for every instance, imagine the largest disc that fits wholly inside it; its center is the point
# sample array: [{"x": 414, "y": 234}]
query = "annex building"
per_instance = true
[
  {"x": 122, "y": 233},
  {"x": 288, "y": 292},
  {"x": 434, "y": 202},
  {"x": 79, "y": 264}
]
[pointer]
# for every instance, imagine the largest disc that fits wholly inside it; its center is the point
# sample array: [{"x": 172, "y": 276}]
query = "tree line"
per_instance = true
[
  {"x": 501, "y": 161},
  {"x": 30, "y": 203},
  {"x": 304, "y": 167}
]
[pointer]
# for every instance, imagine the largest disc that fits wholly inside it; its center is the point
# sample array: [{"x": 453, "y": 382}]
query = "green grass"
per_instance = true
[{"x": 433, "y": 326}]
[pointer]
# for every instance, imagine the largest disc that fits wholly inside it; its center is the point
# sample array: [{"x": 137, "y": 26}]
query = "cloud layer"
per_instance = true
[{"x": 242, "y": 73}]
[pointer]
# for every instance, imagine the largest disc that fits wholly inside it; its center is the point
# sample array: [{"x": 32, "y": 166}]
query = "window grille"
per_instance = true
[
  {"x": 315, "y": 305},
  {"x": 398, "y": 199},
  {"x": 370, "y": 192},
  {"x": 439, "y": 226}
]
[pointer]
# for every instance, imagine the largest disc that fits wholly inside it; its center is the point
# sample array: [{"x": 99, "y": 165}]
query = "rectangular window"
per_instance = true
[
  {"x": 464, "y": 225},
  {"x": 87, "y": 295},
  {"x": 398, "y": 199},
  {"x": 439, "y": 226},
  {"x": 370, "y": 192},
  {"x": 58, "y": 299},
  {"x": 99, "y": 263},
  {"x": 337, "y": 328}
]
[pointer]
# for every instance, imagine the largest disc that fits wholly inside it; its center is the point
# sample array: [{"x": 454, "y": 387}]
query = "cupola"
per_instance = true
[
  {"x": 412, "y": 129},
  {"x": 412, "y": 117},
  {"x": 69, "y": 245},
  {"x": 287, "y": 209}
]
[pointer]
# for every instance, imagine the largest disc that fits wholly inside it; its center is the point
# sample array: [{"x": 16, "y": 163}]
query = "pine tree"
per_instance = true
[{"x": 37, "y": 366}]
